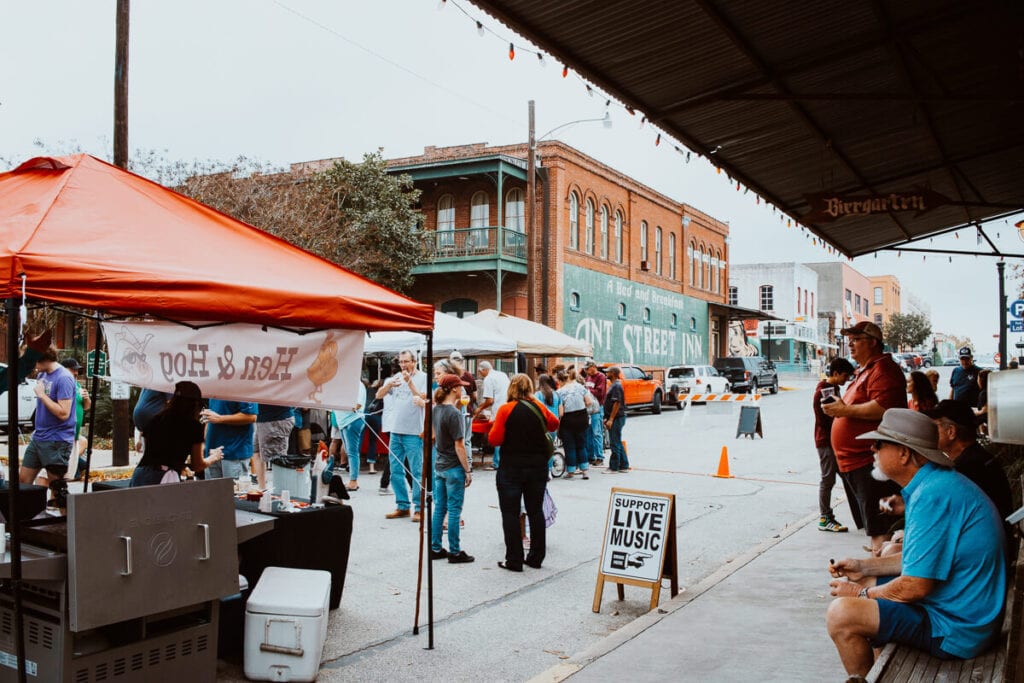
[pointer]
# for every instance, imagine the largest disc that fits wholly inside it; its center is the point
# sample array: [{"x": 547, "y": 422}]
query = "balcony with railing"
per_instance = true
[{"x": 468, "y": 249}]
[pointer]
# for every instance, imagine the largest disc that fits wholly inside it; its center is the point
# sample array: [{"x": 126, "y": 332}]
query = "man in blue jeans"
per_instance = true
[
  {"x": 405, "y": 395},
  {"x": 597, "y": 385},
  {"x": 615, "y": 420}
]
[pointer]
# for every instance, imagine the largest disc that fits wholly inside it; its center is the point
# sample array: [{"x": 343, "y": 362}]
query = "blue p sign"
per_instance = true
[{"x": 1017, "y": 308}]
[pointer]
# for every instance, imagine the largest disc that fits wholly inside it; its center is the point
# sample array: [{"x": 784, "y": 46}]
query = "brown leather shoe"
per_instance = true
[
  {"x": 395, "y": 514},
  {"x": 416, "y": 517}
]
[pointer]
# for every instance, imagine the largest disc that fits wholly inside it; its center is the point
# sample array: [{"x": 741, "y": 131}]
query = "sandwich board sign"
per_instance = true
[{"x": 639, "y": 543}]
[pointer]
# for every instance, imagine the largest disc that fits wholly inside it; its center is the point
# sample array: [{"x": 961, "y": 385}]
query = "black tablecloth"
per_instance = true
[
  {"x": 31, "y": 501},
  {"x": 311, "y": 539}
]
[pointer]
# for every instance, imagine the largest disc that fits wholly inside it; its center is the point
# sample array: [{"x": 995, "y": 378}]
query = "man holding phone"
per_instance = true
[{"x": 839, "y": 372}]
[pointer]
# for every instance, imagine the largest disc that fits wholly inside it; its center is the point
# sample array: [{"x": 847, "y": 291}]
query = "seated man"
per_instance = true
[{"x": 949, "y": 585}]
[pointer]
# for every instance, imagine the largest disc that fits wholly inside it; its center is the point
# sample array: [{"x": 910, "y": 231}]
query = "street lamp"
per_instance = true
[{"x": 531, "y": 203}]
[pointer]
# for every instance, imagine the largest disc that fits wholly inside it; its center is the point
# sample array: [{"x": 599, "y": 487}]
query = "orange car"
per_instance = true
[{"x": 640, "y": 388}]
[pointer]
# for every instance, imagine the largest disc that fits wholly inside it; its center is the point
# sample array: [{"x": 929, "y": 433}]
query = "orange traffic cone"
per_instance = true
[{"x": 723, "y": 465}]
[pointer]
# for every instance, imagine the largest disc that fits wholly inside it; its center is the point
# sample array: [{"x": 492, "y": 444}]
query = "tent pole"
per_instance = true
[
  {"x": 13, "y": 485},
  {"x": 94, "y": 394},
  {"x": 428, "y": 485}
]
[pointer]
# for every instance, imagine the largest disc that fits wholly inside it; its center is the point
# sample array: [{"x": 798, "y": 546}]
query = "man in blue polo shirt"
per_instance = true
[
  {"x": 945, "y": 593},
  {"x": 229, "y": 425},
  {"x": 54, "y": 435}
]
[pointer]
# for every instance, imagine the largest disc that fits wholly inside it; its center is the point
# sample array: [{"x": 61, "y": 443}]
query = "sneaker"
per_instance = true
[
  {"x": 830, "y": 524},
  {"x": 584, "y": 475},
  {"x": 384, "y": 492},
  {"x": 598, "y": 463},
  {"x": 624, "y": 470},
  {"x": 460, "y": 558},
  {"x": 439, "y": 554},
  {"x": 395, "y": 514},
  {"x": 569, "y": 475},
  {"x": 610, "y": 472},
  {"x": 416, "y": 517}
]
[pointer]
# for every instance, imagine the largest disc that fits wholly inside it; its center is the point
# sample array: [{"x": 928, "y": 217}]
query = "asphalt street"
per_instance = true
[{"x": 510, "y": 627}]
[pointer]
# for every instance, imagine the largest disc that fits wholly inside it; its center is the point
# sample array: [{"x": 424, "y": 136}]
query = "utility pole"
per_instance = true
[
  {"x": 120, "y": 406},
  {"x": 1000, "y": 268},
  {"x": 531, "y": 222}
]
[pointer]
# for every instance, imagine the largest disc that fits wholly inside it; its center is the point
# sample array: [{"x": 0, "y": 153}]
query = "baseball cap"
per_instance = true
[
  {"x": 965, "y": 352},
  {"x": 957, "y": 412},
  {"x": 71, "y": 364},
  {"x": 449, "y": 382},
  {"x": 866, "y": 328},
  {"x": 912, "y": 429},
  {"x": 590, "y": 364},
  {"x": 455, "y": 355}
]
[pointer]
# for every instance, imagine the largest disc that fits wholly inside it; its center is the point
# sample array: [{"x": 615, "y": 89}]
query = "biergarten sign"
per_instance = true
[
  {"x": 826, "y": 207},
  {"x": 240, "y": 362}
]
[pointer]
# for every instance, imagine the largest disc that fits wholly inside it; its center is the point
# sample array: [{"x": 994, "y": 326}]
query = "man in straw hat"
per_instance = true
[{"x": 945, "y": 593}]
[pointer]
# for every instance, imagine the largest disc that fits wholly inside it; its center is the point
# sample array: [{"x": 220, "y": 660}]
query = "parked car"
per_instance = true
[
  {"x": 26, "y": 404},
  {"x": 692, "y": 379},
  {"x": 640, "y": 388},
  {"x": 951, "y": 361},
  {"x": 748, "y": 373},
  {"x": 913, "y": 361}
]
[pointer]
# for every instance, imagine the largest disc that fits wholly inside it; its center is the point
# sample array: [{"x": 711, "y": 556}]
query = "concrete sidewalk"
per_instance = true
[{"x": 753, "y": 619}]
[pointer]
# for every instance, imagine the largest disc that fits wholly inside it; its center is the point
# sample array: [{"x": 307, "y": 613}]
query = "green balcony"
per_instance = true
[{"x": 471, "y": 249}]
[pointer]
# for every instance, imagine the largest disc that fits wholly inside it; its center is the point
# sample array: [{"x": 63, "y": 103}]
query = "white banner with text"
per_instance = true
[{"x": 240, "y": 362}]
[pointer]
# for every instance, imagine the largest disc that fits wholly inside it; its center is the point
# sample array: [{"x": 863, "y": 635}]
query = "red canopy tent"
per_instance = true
[
  {"x": 78, "y": 231},
  {"x": 89, "y": 234}
]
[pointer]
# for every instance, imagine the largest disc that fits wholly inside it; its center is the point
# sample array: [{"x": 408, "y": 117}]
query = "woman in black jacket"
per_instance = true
[{"x": 521, "y": 428}]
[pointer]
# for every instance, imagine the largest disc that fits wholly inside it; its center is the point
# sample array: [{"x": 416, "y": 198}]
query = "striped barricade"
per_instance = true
[{"x": 720, "y": 398}]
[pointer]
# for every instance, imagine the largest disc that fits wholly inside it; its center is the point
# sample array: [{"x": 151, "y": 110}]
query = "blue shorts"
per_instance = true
[
  {"x": 52, "y": 456},
  {"x": 900, "y": 622}
]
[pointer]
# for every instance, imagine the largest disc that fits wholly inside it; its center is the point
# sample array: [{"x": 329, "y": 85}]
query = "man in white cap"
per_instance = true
[
  {"x": 963, "y": 383},
  {"x": 492, "y": 397},
  {"x": 945, "y": 593}
]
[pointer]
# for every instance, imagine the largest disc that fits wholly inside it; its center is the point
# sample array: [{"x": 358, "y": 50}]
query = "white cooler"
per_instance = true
[{"x": 286, "y": 624}]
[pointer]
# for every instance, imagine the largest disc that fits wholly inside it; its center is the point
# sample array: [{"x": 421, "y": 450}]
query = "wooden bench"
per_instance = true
[{"x": 1002, "y": 662}]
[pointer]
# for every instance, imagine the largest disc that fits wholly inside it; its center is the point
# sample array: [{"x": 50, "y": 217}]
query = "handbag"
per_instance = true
[
  {"x": 549, "y": 508},
  {"x": 549, "y": 442},
  {"x": 591, "y": 404}
]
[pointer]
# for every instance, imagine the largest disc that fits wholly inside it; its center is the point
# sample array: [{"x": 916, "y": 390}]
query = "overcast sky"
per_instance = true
[{"x": 307, "y": 79}]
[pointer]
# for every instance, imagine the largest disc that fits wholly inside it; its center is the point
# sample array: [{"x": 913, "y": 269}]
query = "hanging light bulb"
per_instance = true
[
  {"x": 540, "y": 58},
  {"x": 511, "y": 51},
  {"x": 590, "y": 91},
  {"x": 687, "y": 156},
  {"x": 657, "y": 140},
  {"x": 480, "y": 29}
]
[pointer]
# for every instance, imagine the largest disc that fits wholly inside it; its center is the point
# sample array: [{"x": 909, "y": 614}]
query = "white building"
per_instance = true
[{"x": 788, "y": 291}]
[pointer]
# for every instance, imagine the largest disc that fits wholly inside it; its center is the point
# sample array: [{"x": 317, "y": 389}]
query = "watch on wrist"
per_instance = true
[{"x": 863, "y": 593}]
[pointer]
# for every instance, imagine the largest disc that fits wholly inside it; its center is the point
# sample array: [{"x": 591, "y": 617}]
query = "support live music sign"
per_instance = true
[{"x": 826, "y": 207}]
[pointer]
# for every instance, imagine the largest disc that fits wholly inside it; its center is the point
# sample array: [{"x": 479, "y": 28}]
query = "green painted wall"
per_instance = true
[{"x": 658, "y": 343}]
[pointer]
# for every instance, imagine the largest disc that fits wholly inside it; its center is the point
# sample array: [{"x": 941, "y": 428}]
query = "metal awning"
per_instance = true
[
  {"x": 873, "y": 123},
  {"x": 741, "y": 313}
]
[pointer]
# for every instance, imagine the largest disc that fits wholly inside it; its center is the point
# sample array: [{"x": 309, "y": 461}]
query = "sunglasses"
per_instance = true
[{"x": 878, "y": 444}]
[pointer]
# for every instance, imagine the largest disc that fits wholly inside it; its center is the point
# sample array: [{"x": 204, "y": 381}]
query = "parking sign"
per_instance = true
[{"x": 1017, "y": 308}]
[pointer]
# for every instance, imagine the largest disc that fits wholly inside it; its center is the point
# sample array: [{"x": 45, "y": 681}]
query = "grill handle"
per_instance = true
[
  {"x": 127, "y": 571},
  {"x": 206, "y": 542}
]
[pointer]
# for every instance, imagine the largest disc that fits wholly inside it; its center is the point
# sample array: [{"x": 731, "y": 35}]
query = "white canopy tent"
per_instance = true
[
  {"x": 530, "y": 337},
  {"x": 450, "y": 334}
]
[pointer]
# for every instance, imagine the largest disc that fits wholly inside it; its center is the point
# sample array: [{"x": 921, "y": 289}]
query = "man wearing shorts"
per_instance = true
[
  {"x": 274, "y": 425},
  {"x": 54, "y": 435},
  {"x": 945, "y": 593},
  {"x": 229, "y": 425},
  {"x": 877, "y": 385}
]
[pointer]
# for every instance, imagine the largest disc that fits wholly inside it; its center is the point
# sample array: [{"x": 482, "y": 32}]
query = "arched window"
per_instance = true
[
  {"x": 515, "y": 216},
  {"x": 734, "y": 296},
  {"x": 706, "y": 258},
  {"x": 812, "y": 305},
  {"x": 798, "y": 301},
  {"x": 589, "y": 245},
  {"x": 622, "y": 311},
  {"x": 574, "y": 301},
  {"x": 672, "y": 255},
  {"x": 479, "y": 219},
  {"x": 713, "y": 278},
  {"x": 604, "y": 231},
  {"x": 647, "y": 315},
  {"x": 700, "y": 267},
  {"x": 446, "y": 221},
  {"x": 459, "y": 308},
  {"x": 691, "y": 252},
  {"x": 574, "y": 221},
  {"x": 618, "y": 237},
  {"x": 767, "y": 298},
  {"x": 806, "y": 312},
  {"x": 657, "y": 249},
  {"x": 720, "y": 282},
  {"x": 643, "y": 240}
]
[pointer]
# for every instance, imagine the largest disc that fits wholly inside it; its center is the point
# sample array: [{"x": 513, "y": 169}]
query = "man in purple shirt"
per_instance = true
[{"x": 54, "y": 435}]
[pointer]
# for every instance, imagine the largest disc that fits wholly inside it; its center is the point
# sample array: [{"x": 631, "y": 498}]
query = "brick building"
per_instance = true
[{"x": 641, "y": 276}]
